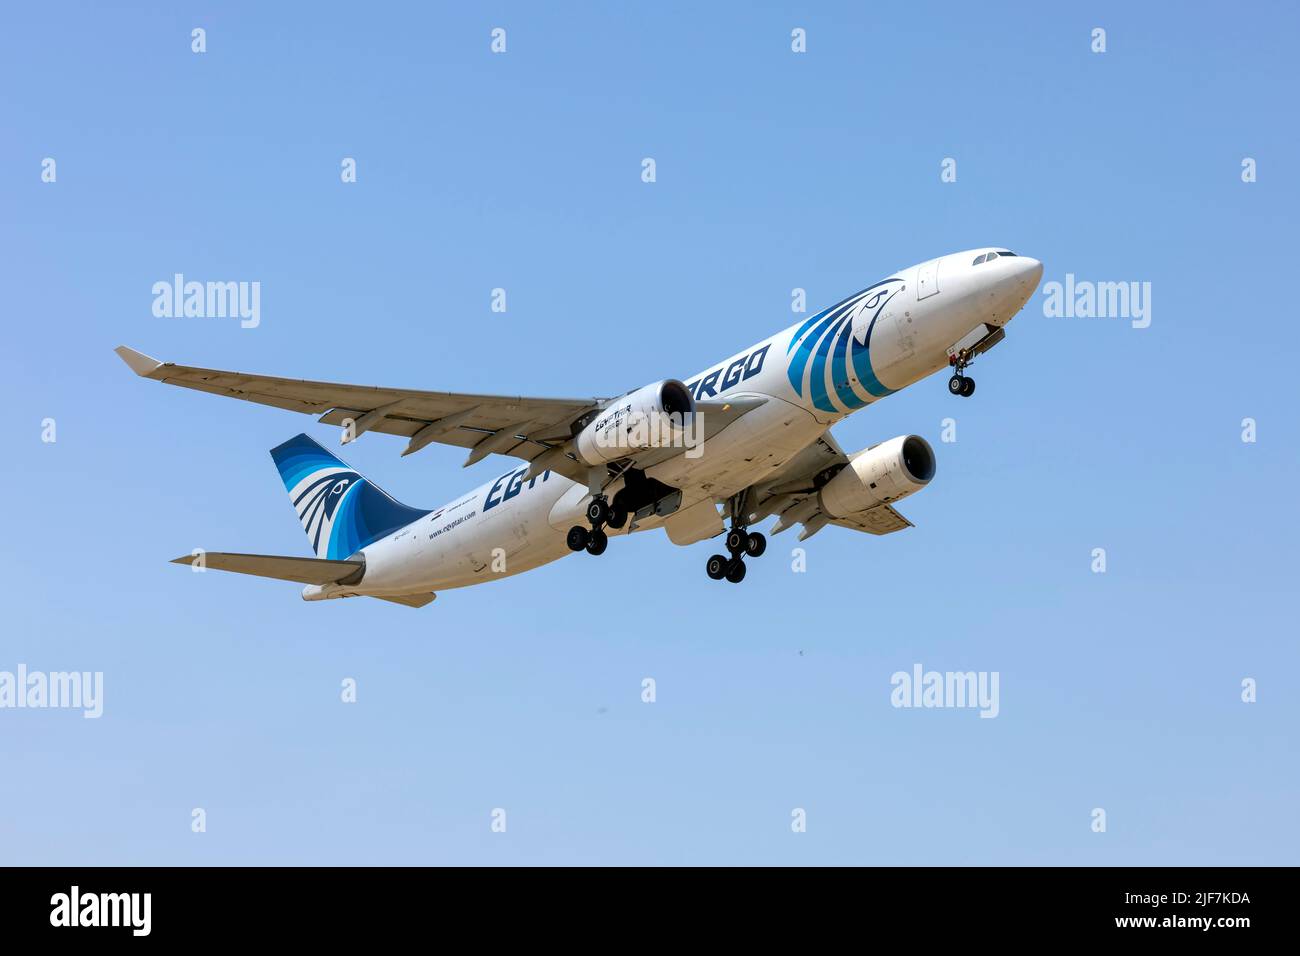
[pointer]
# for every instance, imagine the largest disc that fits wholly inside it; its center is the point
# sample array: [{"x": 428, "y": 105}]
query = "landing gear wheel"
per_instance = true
[
  {"x": 968, "y": 387},
  {"x": 755, "y": 545},
  {"x": 598, "y": 543},
  {"x": 617, "y": 518},
  {"x": 736, "y": 573},
  {"x": 598, "y": 512},
  {"x": 957, "y": 384},
  {"x": 578, "y": 538},
  {"x": 717, "y": 566},
  {"x": 737, "y": 540}
]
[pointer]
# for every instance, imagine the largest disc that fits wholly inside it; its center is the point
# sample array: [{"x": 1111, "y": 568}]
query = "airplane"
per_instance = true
[{"x": 746, "y": 439}]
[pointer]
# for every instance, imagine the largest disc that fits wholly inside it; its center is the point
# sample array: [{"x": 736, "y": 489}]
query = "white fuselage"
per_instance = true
[{"x": 913, "y": 319}]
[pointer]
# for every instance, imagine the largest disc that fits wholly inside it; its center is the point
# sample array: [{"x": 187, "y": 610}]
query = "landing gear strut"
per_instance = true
[
  {"x": 740, "y": 542},
  {"x": 960, "y": 384},
  {"x": 600, "y": 514},
  {"x": 593, "y": 540}
]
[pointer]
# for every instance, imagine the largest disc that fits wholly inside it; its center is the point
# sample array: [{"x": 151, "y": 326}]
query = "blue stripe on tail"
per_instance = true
[{"x": 341, "y": 510}]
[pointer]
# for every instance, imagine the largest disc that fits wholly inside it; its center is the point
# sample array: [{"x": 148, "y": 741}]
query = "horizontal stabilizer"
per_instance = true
[{"x": 302, "y": 570}]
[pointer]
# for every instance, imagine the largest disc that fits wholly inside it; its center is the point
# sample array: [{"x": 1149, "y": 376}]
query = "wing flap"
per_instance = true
[
  {"x": 394, "y": 424},
  {"x": 408, "y": 600}
]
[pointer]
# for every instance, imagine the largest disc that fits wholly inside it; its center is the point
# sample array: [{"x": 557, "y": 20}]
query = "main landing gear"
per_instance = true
[
  {"x": 739, "y": 544},
  {"x": 593, "y": 540},
  {"x": 960, "y": 384}
]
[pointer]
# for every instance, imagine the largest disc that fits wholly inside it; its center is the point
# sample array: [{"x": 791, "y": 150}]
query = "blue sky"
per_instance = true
[{"x": 775, "y": 170}]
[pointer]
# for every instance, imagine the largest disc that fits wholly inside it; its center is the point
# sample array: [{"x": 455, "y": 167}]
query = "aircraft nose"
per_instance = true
[
  {"x": 1029, "y": 272},
  {"x": 1013, "y": 285}
]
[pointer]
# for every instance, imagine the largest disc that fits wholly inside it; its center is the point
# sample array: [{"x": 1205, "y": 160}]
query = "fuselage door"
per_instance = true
[{"x": 927, "y": 280}]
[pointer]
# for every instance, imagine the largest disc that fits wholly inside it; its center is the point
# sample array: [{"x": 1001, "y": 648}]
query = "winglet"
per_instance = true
[{"x": 140, "y": 363}]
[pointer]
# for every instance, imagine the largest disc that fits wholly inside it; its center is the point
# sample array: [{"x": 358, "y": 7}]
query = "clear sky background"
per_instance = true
[{"x": 775, "y": 170}]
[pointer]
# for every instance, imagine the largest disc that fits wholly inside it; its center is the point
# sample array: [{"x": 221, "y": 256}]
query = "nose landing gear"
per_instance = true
[{"x": 960, "y": 384}]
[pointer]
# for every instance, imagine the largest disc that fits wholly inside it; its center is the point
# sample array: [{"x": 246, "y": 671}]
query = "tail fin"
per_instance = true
[{"x": 340, "y": 510}]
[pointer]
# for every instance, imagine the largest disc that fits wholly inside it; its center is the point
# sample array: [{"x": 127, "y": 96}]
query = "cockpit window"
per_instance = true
[
  {"x": 1004, "y": 254},
  {"x": 979, "y": 259}
]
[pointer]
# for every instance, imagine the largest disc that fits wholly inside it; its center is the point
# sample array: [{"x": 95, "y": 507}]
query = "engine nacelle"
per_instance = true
[
  {"x": 879, "y": 475},
  {"x": 652, "y": 416}
]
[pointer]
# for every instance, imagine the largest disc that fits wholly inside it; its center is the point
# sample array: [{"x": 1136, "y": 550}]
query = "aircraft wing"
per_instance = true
[
  {"x": 525, "y": 428},
  {"x": 792, "y": 495},
  {"x": 485, "y": 424}
]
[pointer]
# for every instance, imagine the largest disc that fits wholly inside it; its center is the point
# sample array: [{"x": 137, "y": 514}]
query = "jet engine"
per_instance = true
[
  {"x": 879, "y": 475},
  {"x": 650, "y": 417}
]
